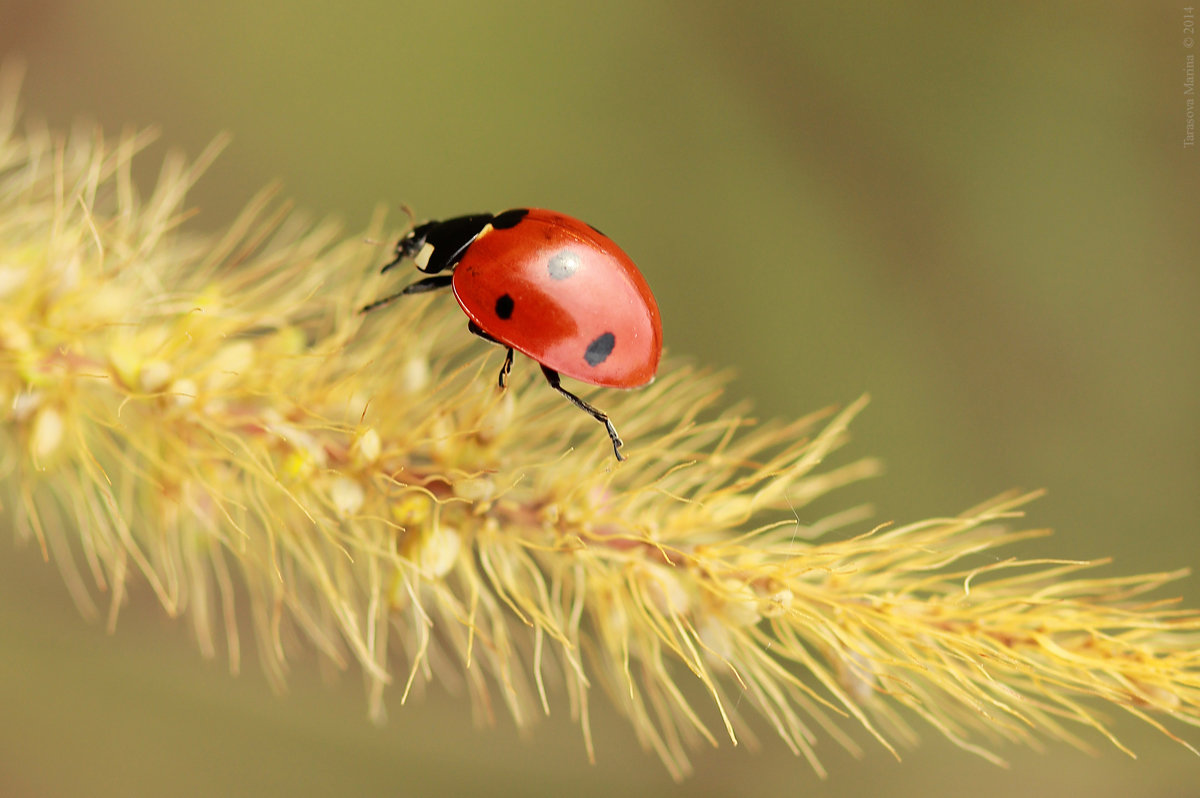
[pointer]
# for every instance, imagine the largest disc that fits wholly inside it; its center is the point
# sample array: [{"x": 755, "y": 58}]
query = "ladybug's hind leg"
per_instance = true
[{"x": 556, "y": 383}]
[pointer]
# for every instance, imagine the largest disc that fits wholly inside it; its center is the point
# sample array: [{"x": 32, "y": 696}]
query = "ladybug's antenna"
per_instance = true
[{"x": 407, "y": 212}]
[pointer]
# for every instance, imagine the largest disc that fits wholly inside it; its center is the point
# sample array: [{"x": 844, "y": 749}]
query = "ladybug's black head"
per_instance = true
[
  {"x": 411, "y": 244},
  {"x": 436, "y": 247}
]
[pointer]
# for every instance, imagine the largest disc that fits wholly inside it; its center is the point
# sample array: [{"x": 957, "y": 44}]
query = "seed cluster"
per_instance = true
[{"x": 210, "y": 415}]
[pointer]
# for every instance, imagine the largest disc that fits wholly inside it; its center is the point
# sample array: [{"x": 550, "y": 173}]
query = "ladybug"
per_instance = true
[{"x": 546, "y": 285}]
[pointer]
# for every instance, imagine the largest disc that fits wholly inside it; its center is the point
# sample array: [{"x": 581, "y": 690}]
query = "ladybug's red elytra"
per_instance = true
[{"x": 546, "y": 285}]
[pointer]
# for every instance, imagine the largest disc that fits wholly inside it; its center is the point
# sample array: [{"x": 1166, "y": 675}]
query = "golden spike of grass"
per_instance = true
[{"x": 210, "y": 415}]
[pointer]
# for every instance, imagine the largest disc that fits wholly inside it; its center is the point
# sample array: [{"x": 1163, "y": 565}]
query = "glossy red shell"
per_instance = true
[{"x": 565, "y": 295}]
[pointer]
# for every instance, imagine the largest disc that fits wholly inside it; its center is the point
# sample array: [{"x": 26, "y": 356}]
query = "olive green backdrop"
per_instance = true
[{"x": 986, "y": 217}]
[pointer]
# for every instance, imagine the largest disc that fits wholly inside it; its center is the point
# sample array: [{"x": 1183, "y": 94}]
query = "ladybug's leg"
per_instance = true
[
  {"x": 555, "y": 383},
  {"x": 507, "y": 367},
  {"x": 419, "y": 287},
  {"x": 508, "y": 356}
]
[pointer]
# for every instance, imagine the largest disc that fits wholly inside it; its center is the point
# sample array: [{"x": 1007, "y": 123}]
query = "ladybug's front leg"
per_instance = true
[
  {"x": 556, "y": 383},
  {"x": 419, "y": 287}
]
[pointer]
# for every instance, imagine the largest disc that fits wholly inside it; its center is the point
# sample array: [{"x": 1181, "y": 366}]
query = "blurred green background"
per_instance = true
[{"x": 986, "y": 217}]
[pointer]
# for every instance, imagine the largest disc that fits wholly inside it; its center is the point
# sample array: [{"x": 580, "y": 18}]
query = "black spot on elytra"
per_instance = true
[
  {"x": 504, "y": 307},
  {"x": 503, "y": 221},
  {"x": 563, "y": 264},
  {"x": 599, "y": 349}
]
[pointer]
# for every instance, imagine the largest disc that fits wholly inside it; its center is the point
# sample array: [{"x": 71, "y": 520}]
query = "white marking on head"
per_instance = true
[{"x": 422, "y": 257}]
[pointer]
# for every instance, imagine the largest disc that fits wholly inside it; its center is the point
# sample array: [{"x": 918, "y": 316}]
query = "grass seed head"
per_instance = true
[{"x": 209, "y": 415}]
